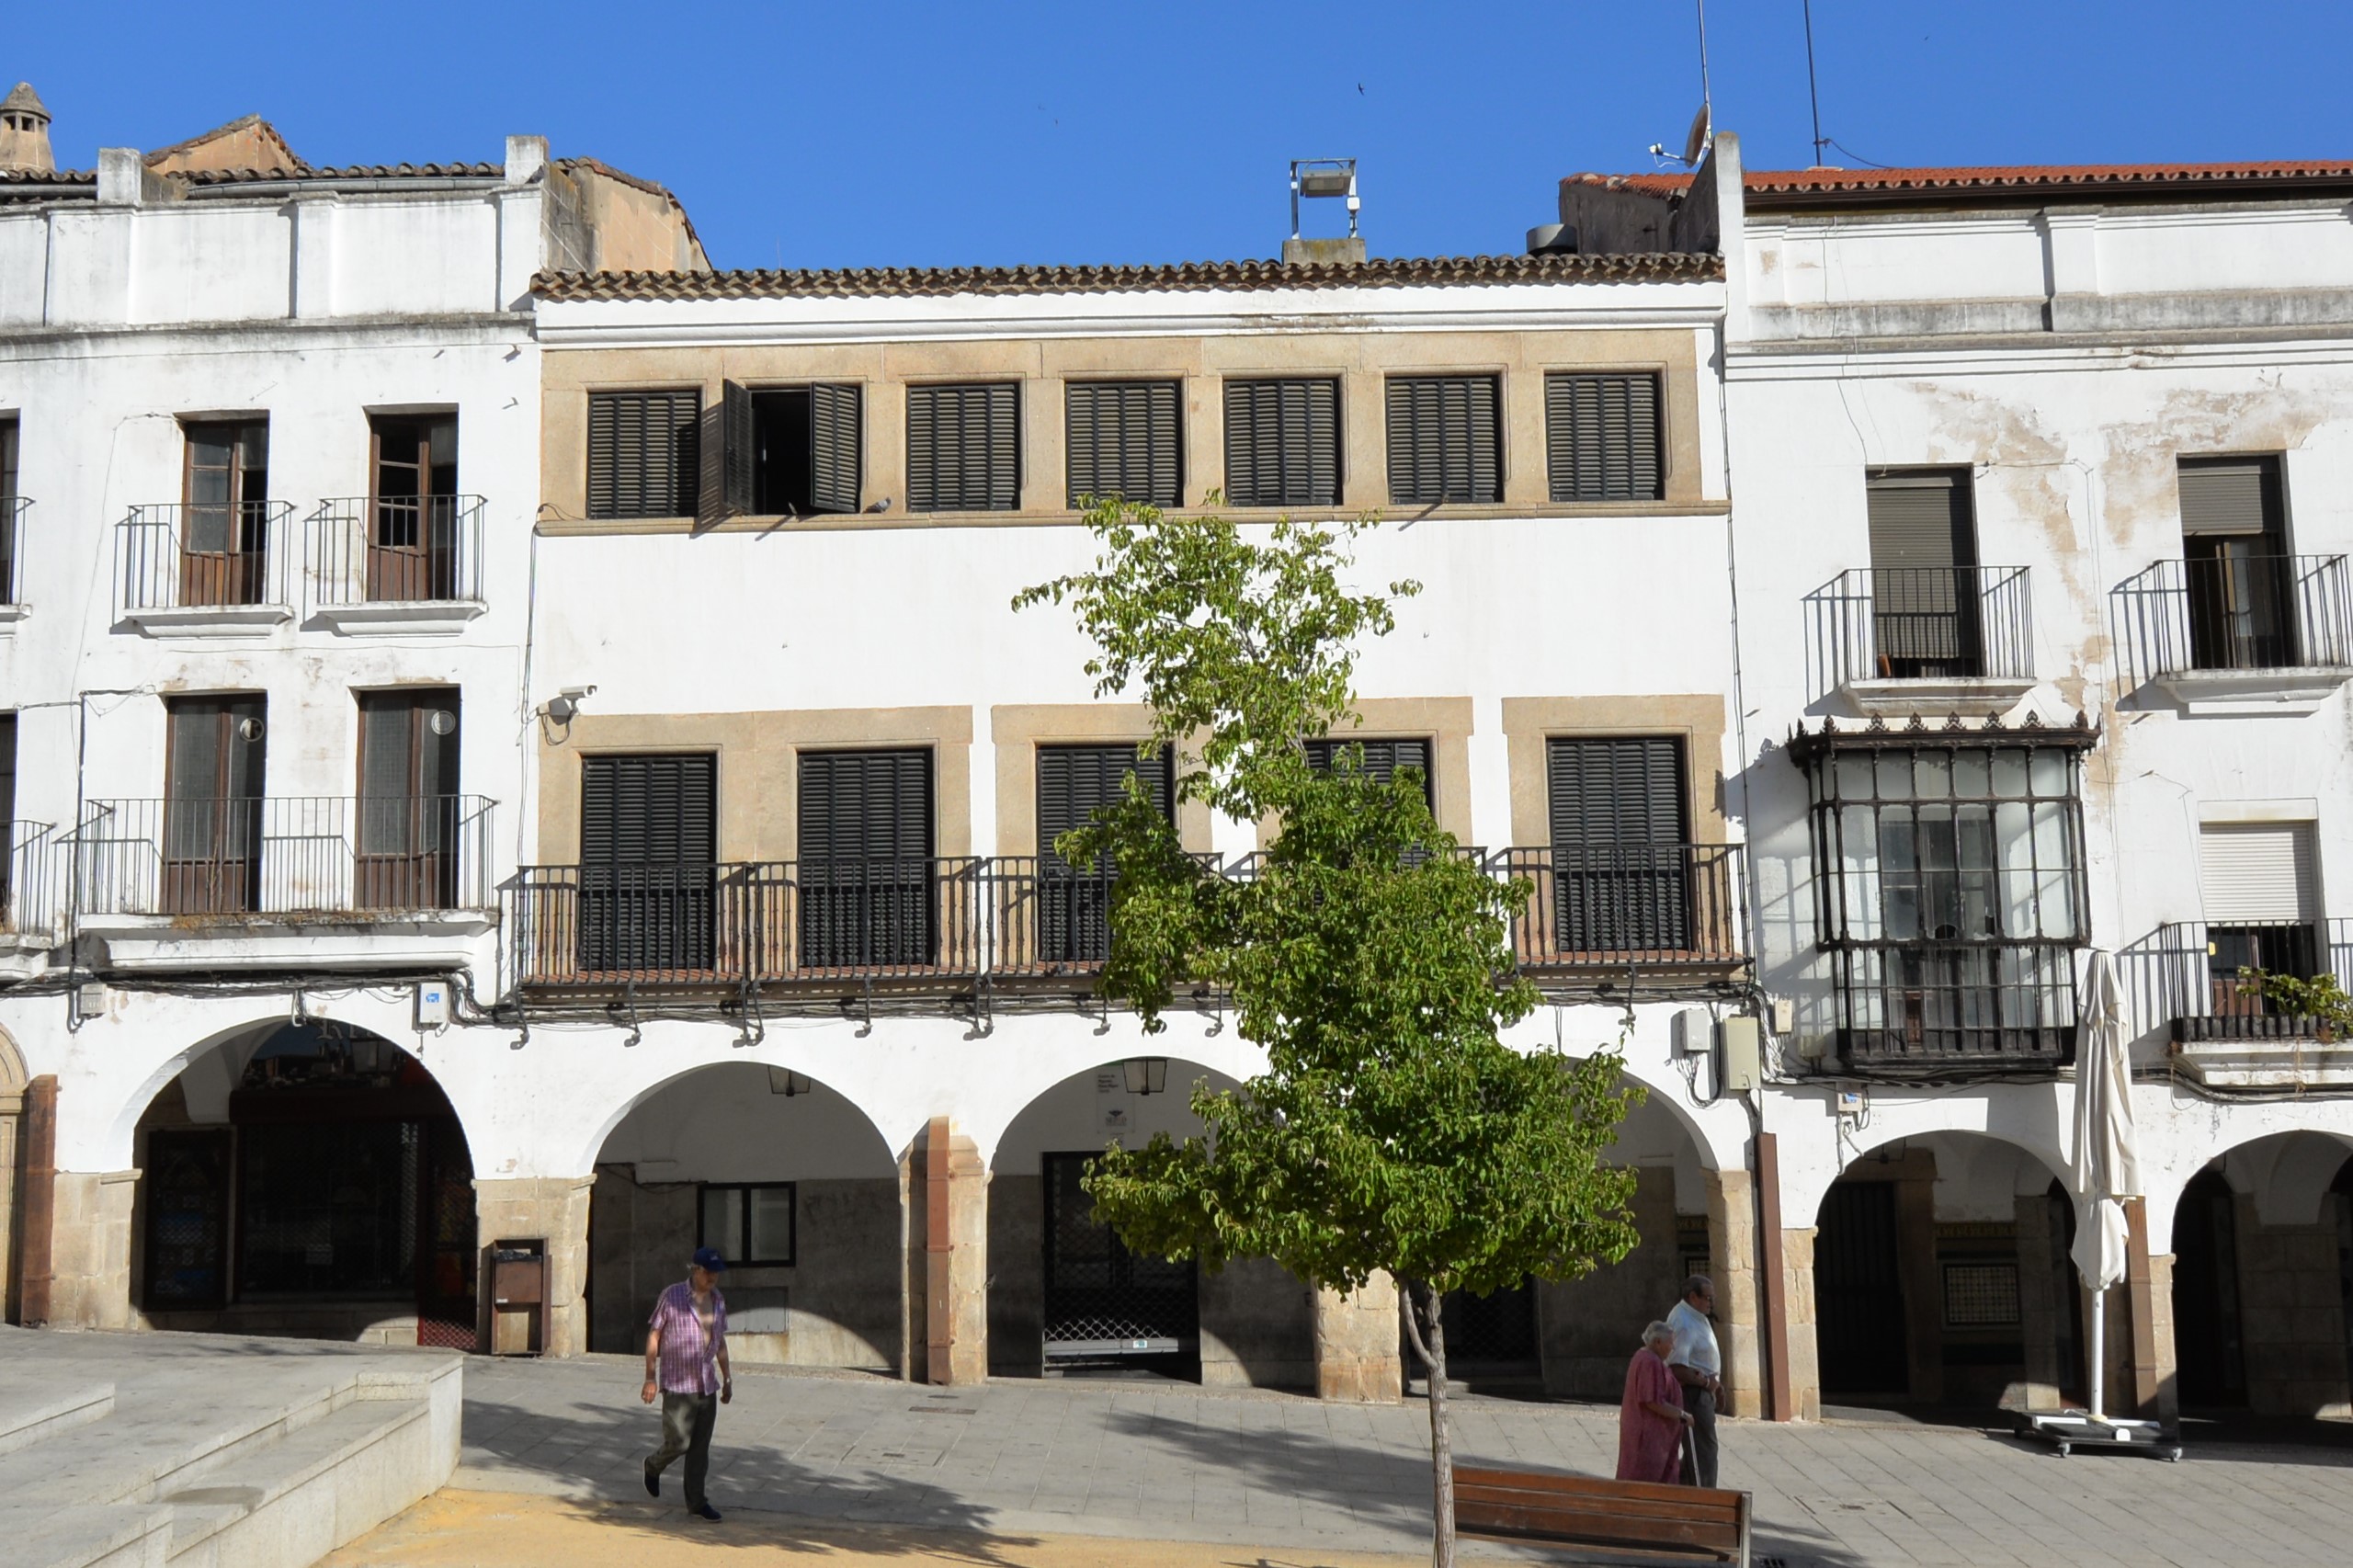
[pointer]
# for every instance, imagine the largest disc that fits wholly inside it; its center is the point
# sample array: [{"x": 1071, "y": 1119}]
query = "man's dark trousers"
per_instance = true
[
  {"x": 687, "y": 1422},
  {"x": 1700, "y": 1449}
]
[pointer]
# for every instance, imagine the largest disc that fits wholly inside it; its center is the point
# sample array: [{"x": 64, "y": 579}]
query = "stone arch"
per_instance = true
[
  {"x": 13, "y": 1083},
  {"x": 13, "y": 1077},
  {"x": 789, "y": 1178},
  {"x": 2030, "y": 1129}
]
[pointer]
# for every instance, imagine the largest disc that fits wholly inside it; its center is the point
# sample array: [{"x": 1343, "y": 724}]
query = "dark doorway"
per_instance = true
[
  {"x": 1490, "y": 1337},
  {"x": 413, "y": 527},
  {"x": 2209, "y": 1350},
  {"x": 1859, "y": 1292},
  {"x": 225, "y": 523},
  {"x": 1105, "y": 1305}
]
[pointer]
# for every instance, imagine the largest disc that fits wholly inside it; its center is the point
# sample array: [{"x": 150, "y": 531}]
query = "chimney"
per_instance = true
[{"x": 24, "y": 133}]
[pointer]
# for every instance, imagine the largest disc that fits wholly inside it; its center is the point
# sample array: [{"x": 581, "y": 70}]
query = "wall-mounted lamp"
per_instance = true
[
  {"x": 785, "y": 1080},
  {"x": 1147, "y": 1075},
  {"x": 565, "y": 703}
]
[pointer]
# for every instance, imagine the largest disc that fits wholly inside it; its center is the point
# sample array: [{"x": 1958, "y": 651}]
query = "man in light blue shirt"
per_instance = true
[{"x": 1698, "y": 1365}]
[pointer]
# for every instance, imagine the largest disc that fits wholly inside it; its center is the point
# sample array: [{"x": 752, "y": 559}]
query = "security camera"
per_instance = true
[{"x": 565, "y": 703}]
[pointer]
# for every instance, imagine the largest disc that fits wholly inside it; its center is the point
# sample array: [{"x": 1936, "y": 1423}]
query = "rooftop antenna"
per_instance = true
[
  {"x": 1702, "y": 132},
  {"x": 1813, "y": 89}
]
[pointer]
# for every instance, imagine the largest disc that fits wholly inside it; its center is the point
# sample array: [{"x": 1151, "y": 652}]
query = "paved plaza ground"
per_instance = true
[{"x": 1022, "y": 1473}]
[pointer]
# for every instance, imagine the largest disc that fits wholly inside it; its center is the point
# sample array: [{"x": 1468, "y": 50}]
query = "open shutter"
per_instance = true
[
  {"x": 740, "y": 455},
  {"x": 1602, "y": 437},
  {"x": 2258, "y": 873},
  {"x": 2230, "y": 496},
  {"x": 835, "y": 425},
  {"x": 711, "y": 481},
  {"x": 1921, "y": 520},
  {"x": 1443, "y": 443}
]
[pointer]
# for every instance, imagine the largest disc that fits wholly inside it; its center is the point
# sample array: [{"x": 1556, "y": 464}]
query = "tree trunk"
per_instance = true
[{"x": 1442, "y": 1450}]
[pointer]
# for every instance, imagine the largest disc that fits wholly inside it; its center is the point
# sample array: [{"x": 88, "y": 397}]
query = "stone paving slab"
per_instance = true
[{"x": 1172, "y": 1461}]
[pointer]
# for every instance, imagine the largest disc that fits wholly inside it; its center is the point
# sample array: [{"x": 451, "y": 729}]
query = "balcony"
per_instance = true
[
  {"x": 288, "y": 881},
  {"x": 1896, "y": 640},
  {"x": 2224, "y": 1034},
  {"x": 204, "y": 568},
  {"x": 2239, "y": 633},
  {"x": 1945, "y": 1010},
  {"x": 1607, "y": 906},
  {"x": 1016, "y": 923},
  {"x": 11, "y": 554},
  {"x": 29, "y": 927},
  {"x": 405, "y": 564}
]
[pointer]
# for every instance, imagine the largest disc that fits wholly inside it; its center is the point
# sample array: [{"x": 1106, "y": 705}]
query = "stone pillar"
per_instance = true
[
  {"x": 89, "y": 1251},
  {"x": 1357, "y": 1343},
  {"x": 2162, "y": 1364},
  {"x": 944, "y": 1188},
  {"x": 1732, "y": 1261},
  {"x": 1924, "y": 1295},
  {"x": 1797, "y": 1297},
  {"x": 2038, "y": 1308},
  {"x": 554, "y": 1208},
  {"x": 35, "y": 1207}
]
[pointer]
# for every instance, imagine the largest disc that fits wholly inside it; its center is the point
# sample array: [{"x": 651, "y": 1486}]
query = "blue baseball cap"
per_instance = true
[{"x": 707, "y": 1257}]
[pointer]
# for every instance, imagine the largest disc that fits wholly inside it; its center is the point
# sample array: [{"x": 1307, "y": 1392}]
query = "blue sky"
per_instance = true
[{"x": 942, "y": 134}]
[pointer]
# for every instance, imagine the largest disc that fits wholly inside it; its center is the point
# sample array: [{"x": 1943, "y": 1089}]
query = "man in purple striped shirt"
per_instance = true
[{"x": 686, "y": 1362}]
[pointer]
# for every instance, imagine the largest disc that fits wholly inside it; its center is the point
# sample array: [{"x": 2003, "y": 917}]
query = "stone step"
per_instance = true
[
  {"x": 147, "y": 1446},
  {"x": 34, "y": 1410},
  {"x": 287, "y": 1503},
  {"x": 120, "y": 1536}
]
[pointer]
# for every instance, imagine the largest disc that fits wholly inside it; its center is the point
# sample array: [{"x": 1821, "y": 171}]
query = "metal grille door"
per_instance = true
[
  {"x": 1859, "y": 1292},
  {"x": 187, "y": 1219},
  {"x": 1103, "y": 1302},
  {"x": 446, "y": 1245}
]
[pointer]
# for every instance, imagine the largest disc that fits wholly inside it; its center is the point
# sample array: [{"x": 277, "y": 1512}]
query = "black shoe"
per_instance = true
[
  {"x": 705, "y": 1512},
  {"x": 653, "y": 1480}
]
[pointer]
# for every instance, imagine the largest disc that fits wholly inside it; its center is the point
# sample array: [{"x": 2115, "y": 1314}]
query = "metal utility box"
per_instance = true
[
  {"x": 515, "y": 1268},
  {"x": 1744, "y": 1056}
]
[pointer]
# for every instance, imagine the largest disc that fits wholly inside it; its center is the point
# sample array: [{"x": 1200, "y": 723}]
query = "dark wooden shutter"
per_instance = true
[
  {"x": 644, "y": 453},
  {"x": 1283, "y": 443},
  {"x": 1621, "y": 883},
  {"x": 1921, "y": 520},
  {"x": 836, "y": 448},
  {"x": 1445, "y": 442},
  {"x": 865, "y": 868},
  {"x": 648, "y": 841},
  {"x": 1074, "y": 781},
  {"x": 730, "y": 449},
  {"x": 964, "y": 447},
  {"x": 1381, "y": 760},
  {"x": 1601, "y": 437},
  {"x": 1123, "y": 438},
  {"x": 2230, "y": 496}
]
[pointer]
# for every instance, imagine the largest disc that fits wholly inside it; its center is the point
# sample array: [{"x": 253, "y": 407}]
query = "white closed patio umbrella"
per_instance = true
[{"x": 2107, "y": 1173}]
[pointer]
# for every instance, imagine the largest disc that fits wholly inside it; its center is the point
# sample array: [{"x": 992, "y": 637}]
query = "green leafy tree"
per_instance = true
[{"x": 1393, "y": 1131}]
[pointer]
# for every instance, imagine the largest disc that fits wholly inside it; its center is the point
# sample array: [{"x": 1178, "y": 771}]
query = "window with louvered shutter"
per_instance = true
[
  {"x": 649, "y": 844},
  {"x": 1620, "y": 883},
  {"x": 865, "y": 867},
  {"x": 1283, "y": 443},
  {"x": 1123, "y": 438},
  {"x": 644, "y": 453},
  {"x": 1445, "y": 441},
  {"x": 836, "y": 418},
  {"x": 1073, "y": 904},
  {"x": 1381, "y": 760},
  {"x": 1601, "y": 437},
  {"x": 964, "y": 447}
]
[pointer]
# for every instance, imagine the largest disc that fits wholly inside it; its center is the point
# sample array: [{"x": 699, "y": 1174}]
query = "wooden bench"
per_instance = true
[{"x": 1630, "y": 1517}]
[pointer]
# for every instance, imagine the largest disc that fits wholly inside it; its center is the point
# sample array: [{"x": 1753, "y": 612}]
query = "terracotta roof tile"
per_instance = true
[
  {"x": 356, "y": 170},
  {"x": 1180, "y": 277},
  {"x": 1789, "y": 188}
]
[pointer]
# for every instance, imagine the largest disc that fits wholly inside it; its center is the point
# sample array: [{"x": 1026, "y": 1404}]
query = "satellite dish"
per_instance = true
[{"x": 1696, "y": 143}]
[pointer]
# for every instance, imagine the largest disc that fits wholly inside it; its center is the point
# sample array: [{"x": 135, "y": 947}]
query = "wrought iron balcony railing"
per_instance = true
[
  {"x": 202, "y": 555},
  {"x": 27, "y": 887},
  {"x": 1949, "y": 1009},
  {"x": 295, "y": 855},
  {"x": 397, "y": 550},
  {"x": 1923, "y": 623},
  {"x": 12, "y": 546},
  {"x": 1612, "y": 904},
  {"x": 2187, "y": 976},
  {"x": 2236, "y": 612}
]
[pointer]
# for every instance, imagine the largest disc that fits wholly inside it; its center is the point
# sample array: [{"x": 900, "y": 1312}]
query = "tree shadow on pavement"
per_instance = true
[{"x": 592, "y": 1455}]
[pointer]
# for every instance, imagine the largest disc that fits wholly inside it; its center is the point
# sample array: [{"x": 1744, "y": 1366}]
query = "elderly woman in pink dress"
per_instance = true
[{"x": 1650, "y": 1417}]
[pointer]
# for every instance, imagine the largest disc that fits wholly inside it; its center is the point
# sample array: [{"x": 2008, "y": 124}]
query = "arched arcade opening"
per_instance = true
[
  {"x": 307, "y": 1179},
  {"x": 795, "y": 1187}
]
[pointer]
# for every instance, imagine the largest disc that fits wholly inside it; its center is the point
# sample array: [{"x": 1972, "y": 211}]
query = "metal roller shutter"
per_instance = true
[
  {"x": 2258, "y": 873},
  {"x": 644, "y": 457},
  {"x": 1602, "y": 437},
  {"x": 964, "y": 447},
  {"x": 1445, "y": 442},
  {"x": 1124, "y": 438},
  {"x": 1283, "y": 443},
  {"x": 2230, "y": 496},
  {"x": 1920, "y": 520}
]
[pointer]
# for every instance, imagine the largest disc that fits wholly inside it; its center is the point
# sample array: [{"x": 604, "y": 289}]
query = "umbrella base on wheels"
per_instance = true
[{"x": 2072, "y": 1429}]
